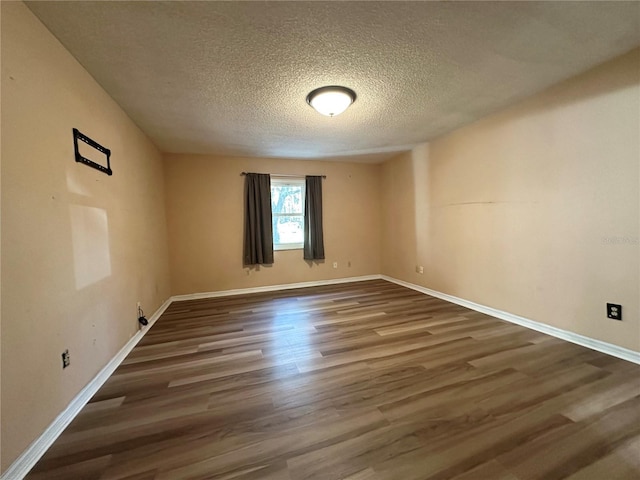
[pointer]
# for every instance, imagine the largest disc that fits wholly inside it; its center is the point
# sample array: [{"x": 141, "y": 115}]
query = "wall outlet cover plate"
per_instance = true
[
  {"x": 66, "y": 359},
  {"x": 614, "y": 311}
]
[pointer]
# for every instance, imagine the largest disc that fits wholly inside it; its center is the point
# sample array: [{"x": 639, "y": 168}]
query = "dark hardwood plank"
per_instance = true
[{"x": 362, "y": 381}]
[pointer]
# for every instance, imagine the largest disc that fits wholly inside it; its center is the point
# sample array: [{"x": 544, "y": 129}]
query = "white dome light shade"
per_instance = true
[{"x": 331, "y": 101}]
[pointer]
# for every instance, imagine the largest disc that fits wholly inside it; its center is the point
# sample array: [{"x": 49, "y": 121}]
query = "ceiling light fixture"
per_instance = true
[{"x": 332, "y": 100}]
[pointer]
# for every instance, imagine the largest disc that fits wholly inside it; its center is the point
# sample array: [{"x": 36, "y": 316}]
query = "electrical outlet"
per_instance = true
[
  {"x": 419, "y": 269},
  {"x": 614, "y": 311},
  {"x": 66, "y": 359},
  {"x": 335, "y": 264}
]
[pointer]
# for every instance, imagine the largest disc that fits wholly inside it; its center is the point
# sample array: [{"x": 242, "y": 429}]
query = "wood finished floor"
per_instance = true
[{"x": 357, "y": 381}]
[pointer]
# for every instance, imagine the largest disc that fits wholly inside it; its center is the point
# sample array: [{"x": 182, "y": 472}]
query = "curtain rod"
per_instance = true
[{"x": 280, "y": 175}]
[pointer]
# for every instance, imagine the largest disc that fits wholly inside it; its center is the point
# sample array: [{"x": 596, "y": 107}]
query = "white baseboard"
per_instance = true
[
  {"x": 600, "y": 346},
  {"x": 27, "y": 460},
  {"x": 273, "y": 288}
]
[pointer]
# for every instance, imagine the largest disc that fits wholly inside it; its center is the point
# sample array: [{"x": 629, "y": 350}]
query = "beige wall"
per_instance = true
[
  {"x": 79, "y": 248},
  {"x": 205, "y": 217},
  {"x": 534, "y": 210}
]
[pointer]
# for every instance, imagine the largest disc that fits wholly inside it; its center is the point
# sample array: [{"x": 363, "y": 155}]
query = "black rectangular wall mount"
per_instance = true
[{"x": 77, "y": 135}]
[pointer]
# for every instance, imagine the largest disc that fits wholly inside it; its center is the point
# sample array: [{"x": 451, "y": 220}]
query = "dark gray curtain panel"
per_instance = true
[
  {"x": 313, "y": 232},
  {"x": 258, "y": 234}
]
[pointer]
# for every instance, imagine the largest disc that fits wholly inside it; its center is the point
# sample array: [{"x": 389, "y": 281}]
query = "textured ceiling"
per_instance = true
[{"x": 231, "y": 77}]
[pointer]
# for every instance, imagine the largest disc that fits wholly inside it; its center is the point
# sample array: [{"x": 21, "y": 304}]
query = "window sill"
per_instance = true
[{"x": 295, "y": 246}]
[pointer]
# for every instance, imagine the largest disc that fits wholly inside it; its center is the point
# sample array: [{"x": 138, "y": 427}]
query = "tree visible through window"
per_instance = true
[{"x": 287, "y": 211}]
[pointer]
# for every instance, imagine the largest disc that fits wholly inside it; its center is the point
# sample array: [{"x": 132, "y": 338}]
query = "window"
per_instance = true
[{"x": 287, "y": 211}]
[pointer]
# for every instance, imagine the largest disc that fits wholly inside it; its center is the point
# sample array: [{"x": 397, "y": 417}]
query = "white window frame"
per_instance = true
[{"x": 289, "y": 181}]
